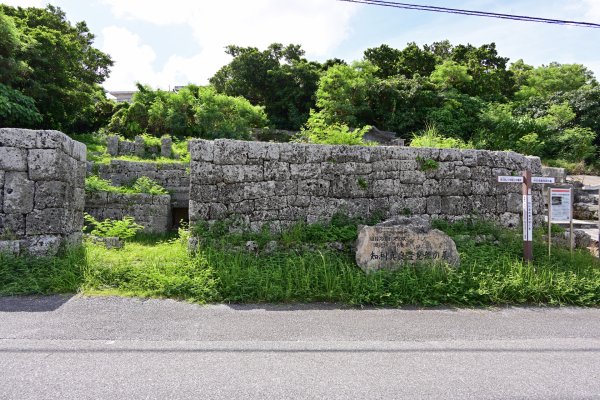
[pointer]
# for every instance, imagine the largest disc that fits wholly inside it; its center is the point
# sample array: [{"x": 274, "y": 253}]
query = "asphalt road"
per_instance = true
[{"x": 114, "y": 348}]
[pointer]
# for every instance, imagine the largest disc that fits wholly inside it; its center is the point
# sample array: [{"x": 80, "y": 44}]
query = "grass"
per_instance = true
[{"x": 304, "y": 268}]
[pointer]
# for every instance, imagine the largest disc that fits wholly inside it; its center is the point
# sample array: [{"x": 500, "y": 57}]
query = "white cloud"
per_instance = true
[
  {"x": 133, "y": 60},
  {"x": 318, "y": 25},
  {"x": 593, "y": 10}
]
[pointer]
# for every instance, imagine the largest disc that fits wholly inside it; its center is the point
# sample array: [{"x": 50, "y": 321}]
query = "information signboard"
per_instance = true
[{"x": 560, "y": 205}]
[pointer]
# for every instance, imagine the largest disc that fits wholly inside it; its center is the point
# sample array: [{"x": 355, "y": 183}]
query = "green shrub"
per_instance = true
[
  {"x": 318, "y": 132},
  {"x": 141, "y": 185},
  {"x": 125, "y": 228},
  {"x": 146, "y": 185},
  {"x": 96, "y": 184},
  {"x": 431, "y": 137}
]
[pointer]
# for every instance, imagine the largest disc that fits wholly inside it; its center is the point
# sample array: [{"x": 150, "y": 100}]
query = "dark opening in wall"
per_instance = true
[{"x": 180, "y": 215}]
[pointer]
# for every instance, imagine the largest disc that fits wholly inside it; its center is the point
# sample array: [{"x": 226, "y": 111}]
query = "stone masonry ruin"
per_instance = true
[
  {"x": 280, "y": 183},
  {"x": 42, "y": 197},
  {"x": 115, "y": 146},
  {"x": 153, "y": 212},
  {"x": 42, "y": 177},
  {"x": 173, "y": 176}
]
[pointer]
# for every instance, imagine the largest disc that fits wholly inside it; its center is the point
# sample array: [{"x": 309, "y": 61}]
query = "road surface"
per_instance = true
[{"x": 114, "y": 348}]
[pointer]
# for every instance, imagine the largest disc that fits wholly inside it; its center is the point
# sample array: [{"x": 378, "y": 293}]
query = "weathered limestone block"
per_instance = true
[
  {"x": 139, "y": 146},
  {"x": 230, "y": 152},
  {"x": 46, "y": 164},
  {"x": 241, "y": 173},
  {"x": 112, "y": 145},
  {"x": 12, "y": 247},
  {"x": 276, "y": 170},
  {"x": 456, "y": 205},
  {"x": 166, "y": 145},
  {"x": 403, "y": 241},
  {"x": 313, "y": 187},
  {"x": 305, "y": 171},
  {"x": 293, "y": 153},
  {"x": 514, "y": 202},
  {"x": 13, "y": 159},
  {"x": 44, "y": 245},
  {"x": 52, "y": 140},
  {"x": 434, "y": 205},
  {"x": 51, "y": 194},
  {"x": 18, "y": 193},
  {"x": 19, "y": 138},
  {"x": 49, "y": 221},
  {"x": 12, "y": 224}
]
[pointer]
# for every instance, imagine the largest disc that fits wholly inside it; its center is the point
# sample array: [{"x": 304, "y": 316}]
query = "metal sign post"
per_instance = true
[{"x": 526, "y": 181}]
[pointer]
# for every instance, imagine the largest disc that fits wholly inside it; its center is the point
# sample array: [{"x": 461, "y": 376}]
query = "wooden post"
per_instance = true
[{"x": 527, "y": 216}]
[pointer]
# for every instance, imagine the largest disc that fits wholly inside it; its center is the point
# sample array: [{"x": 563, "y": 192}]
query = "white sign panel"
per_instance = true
[
  {"x": 510, "y": 179},
  {"x": 528, "y": 217},
  {"x": 542, "y": 179},
  {"x": 560, "y": 205}
]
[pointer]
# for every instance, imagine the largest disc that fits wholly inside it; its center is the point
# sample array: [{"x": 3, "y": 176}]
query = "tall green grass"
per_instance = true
[{"x": 304, "y": 268}]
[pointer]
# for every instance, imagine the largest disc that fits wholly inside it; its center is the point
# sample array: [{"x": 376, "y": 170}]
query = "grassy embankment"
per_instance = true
[{"x": 302, "y": 267}]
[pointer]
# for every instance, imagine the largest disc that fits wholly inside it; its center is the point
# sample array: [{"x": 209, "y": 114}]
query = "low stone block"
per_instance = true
[
  {"x": 43, "y": 246},
  {"x": 50, "y": 194},
  {"x": 53, "y": 221},
  {"x": 17, "y": 137},
  {"x": 13, "y": 159},
  {"x": 18, "y": 193},
  {"x": 166, "y": 145},
  {"x": 12, "y": 247},
  {"x": 46, "y": 164},
  {"x": 12, "y": 225},
  {"x": 51, "y": 140}
]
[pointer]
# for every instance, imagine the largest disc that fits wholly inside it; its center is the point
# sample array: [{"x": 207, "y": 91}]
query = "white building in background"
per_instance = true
[{"x": 121, "y": 95}]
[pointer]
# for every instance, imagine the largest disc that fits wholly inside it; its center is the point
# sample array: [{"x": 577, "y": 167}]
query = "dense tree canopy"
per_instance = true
[
  {"x": 278, "y": 78},
  {"x": 192, "y": 111},
  {"x": 46, "y": 58}
]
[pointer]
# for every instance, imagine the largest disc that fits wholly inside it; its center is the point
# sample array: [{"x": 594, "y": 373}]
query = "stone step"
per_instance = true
[{"x": 580, "y": 224}]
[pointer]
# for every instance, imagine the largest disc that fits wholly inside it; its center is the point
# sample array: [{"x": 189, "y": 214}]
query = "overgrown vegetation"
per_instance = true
[
  {"x": 313, "y": 263},
  {"x": 123, "y": 229},
  {"x": 142, "y": 184},
  {"x": 192, "y": 111}
]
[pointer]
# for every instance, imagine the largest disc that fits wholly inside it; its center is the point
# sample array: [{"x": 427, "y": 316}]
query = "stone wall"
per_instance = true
[
  {"x": 42, "y": 177},
  {"x": 174, "y": 177},
  {"x": 115, "y": 146},
  {"x": 151, "y": 211},
  {"x": 278, "y": 183}
]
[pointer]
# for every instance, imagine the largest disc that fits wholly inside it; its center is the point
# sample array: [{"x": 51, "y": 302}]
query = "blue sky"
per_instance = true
[{"x": 175, "y": 42}]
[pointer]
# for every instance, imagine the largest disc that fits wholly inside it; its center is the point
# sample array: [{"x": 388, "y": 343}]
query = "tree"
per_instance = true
[
  {"x": 451, "y": 75},
  {"x": 355, "y": 96},
  {"x": 385, "y": 58},
  {"x": 415, "y": 61},
  {"x": 17, "y": 109},
  {"x": 192, "y": 111},
  {"x": 547, "y": 80},
  {"x": 278, "y": 78},
  {"x": 491, "y": 79},
  {"x": 58, "y": 66}
]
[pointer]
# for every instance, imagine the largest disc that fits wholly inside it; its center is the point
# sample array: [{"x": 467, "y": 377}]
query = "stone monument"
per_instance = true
[{"x": 403, "y": 241}]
